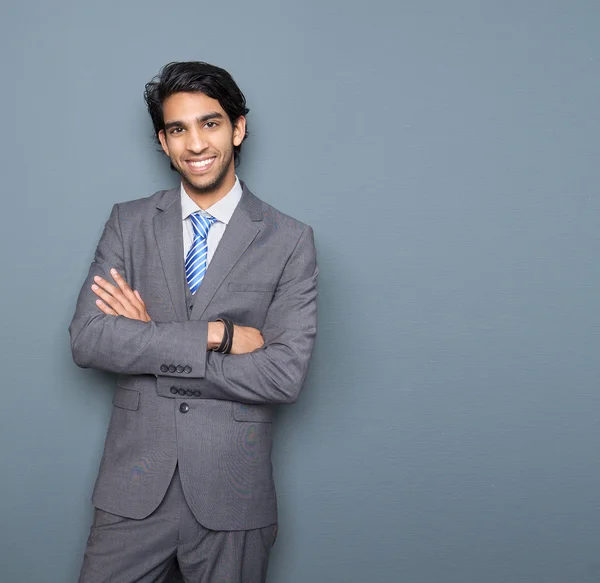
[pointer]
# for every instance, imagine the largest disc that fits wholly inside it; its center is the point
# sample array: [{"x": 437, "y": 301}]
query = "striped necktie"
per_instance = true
[{"x": 195, "y": 262}]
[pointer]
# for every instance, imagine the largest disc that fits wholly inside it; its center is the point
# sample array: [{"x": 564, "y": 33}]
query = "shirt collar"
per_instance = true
[{"x": 222, "y": 210}]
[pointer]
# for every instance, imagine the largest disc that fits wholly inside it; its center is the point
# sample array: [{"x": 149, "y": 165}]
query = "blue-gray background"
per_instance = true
[{"x": 446, "y": 154}]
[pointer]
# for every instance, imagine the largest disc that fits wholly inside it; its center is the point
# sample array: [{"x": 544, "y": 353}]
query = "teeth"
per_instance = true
[{"x": 202, "y": 163}]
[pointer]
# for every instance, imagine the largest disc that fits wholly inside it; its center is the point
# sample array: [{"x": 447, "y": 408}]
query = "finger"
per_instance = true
[
  {"x": 109, "y": 287},
  {"x": 120, "y": 281},
  {"x": 105, "y": 308},
  {"x": 129, "y": 303},
  {"x": 135, "y": 300},
  {"x": 139, "y": 297},
  {"x": 109, "y": 299}
]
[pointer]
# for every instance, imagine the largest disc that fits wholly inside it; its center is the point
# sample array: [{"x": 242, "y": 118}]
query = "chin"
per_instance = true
[{"x": 206, "y": 186}]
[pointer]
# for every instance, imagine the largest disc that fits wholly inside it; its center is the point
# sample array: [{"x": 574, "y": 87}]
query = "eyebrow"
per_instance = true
[{"x": 201, "y": 119}]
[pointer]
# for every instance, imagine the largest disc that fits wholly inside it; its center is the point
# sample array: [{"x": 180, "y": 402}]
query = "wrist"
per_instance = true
[{"x": 215, "y": 335}]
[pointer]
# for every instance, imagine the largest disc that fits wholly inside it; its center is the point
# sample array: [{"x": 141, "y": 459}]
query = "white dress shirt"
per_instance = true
[{"x": 221, "y": 210}]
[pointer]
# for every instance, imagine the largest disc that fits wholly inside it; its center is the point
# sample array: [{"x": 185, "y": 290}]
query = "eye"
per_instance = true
[
  {"x": 211, "y": 124},
  {"x": 175, "y": 130}
]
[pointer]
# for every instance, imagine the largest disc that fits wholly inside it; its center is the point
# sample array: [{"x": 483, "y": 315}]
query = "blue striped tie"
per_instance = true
[{"x": 195, "y": 262}]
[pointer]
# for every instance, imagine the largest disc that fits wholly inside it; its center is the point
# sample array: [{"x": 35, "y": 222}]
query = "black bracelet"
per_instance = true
[
  {"x": 229, "y": 327},
  {"x": 227, "y": 341},
  {"x": 223, "y": 344}
]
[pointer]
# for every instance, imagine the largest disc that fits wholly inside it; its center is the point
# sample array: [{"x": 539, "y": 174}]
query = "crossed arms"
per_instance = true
[
  {"x": 268, "y": 367},
  {"x": 121, "y": 300}
]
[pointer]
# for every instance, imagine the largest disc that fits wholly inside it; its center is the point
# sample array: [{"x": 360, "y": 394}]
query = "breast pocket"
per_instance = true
[
  {"x": 253, "y": 287},
  {"x": 246, "y": 303}
]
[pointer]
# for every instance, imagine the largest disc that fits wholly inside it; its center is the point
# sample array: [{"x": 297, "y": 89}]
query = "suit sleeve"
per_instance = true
[
  {"x": 122, "y": 345},
  {"x": 276, "y": 372}
]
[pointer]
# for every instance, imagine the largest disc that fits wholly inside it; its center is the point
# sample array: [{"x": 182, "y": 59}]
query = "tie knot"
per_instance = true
[{"x": 201, "y": 224}]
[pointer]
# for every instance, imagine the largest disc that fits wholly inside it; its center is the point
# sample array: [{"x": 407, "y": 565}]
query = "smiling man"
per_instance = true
[{"x": 203, "y": 300}]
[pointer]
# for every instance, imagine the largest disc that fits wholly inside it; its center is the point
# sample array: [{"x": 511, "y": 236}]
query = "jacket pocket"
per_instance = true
[
  {"x": 252, "y": 287},
  {"x": 253, "y": 413},
  {"x": 126, "y": 398}
]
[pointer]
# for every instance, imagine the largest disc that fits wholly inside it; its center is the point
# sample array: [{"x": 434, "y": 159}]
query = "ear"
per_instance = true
[
  {"x": 163, "y": 141},
  {"x": 239, "y": 130}
]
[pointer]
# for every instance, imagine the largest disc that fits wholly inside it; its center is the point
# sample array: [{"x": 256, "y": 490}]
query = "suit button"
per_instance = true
[
  {"x": 197, "y": 393},
  {"x": 189, "y": 393},
  {"x": 181, "y": 392},
  {"x": 173, "y": 390},
  {"x": 172, "y": 368},
  {"x": 184, "y": 407},
  {"x": 179, "y": 369},
  {"x": 187, "y": 370},
  {"x": 164, "y": 368}
]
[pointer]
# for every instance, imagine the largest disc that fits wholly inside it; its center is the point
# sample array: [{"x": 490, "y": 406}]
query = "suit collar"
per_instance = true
[
  {"x": 167, "y": 198},
  {"x": 250, "y": 204}
]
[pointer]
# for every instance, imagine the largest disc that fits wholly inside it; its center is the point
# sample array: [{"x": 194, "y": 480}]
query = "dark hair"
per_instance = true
[{"x": 195, "y": 77}]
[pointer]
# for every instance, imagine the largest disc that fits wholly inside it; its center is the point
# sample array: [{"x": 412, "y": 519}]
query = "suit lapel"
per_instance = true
[
  {"x": 245, "y": 224},
  {"x": 168, "y": 230}
]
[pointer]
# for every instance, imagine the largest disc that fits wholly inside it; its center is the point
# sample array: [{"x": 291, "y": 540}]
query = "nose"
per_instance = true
[{"x": 195, "y": 141}]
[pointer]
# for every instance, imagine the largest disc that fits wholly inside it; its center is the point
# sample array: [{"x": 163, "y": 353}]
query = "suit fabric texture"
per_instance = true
[
  {"x": 175, "y": 403},
  {"x": 124, "y": 550}
]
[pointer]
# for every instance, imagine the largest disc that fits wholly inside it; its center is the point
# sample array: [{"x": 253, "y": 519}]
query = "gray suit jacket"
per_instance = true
[{"x": 263, "y": 274}]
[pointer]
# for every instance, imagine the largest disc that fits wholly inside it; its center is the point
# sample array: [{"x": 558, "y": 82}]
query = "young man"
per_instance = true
[{"x": 203, "y": 300}]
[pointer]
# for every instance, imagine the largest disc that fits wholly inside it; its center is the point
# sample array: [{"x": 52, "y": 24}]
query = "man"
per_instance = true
[{"x": 203, "y": 300}]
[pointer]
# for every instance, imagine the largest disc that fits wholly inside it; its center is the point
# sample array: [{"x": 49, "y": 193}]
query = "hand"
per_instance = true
[
  {"x": 121, "y": 300},
  {"x": 245, "y": 338}
]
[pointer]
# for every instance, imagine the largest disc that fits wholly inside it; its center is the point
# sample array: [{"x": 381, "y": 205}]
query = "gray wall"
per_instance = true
[{"x": 446, "y": 154}]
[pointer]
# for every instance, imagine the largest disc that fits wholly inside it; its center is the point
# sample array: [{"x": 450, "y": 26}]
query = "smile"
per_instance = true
[{"x": 201, "y": 165}]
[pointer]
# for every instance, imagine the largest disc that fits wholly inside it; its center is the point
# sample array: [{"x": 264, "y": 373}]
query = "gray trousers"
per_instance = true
[{"x": 123, "y": 550}]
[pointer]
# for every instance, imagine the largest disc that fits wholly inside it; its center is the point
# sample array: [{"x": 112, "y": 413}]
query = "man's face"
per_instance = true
[{"x": 199, "y": 139}]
